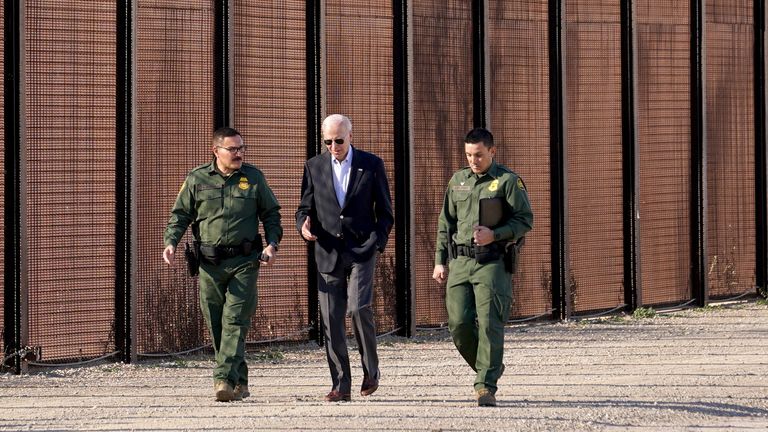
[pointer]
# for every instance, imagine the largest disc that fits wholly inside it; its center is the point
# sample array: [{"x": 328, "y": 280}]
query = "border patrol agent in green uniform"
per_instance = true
[
  {"x": 479, "y": 283},
  {"x": 224, "y": 201}
]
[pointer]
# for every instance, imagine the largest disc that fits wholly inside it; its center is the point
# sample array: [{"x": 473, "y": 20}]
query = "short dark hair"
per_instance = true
[
  {"x": 224, "y": 132},
  {"x": 479, "y": 135}
]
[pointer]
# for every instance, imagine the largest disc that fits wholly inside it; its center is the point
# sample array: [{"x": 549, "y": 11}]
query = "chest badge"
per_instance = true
[
  {"x": 243, "y": 183},
  {"x": 494, "y": 185}
]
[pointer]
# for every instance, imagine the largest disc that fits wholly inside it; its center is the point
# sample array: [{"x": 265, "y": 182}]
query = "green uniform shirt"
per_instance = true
[
  {"x": 460, "y": 212},
  {"x": 227, "y": 208}
]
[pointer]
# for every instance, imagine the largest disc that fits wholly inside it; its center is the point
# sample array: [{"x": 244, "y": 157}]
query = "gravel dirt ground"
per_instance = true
[{"x": 697, "y": 369}]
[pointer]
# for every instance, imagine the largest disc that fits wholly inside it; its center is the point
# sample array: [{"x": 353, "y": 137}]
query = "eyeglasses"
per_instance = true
[
  {"x": 336, "y": 140},
  {"x": 235, "y": 149}
]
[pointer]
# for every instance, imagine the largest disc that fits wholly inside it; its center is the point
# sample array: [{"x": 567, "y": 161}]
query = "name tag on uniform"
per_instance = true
[
  {"x": 203, "y": 186},
  {"x": 461, "y": 188}
]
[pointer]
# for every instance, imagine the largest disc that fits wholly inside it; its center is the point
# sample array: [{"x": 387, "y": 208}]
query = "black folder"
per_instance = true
[{"x": 491, "y": 212}]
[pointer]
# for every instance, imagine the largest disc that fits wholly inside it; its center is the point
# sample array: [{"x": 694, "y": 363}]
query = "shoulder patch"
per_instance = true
[{"x": 521, "y": 185}]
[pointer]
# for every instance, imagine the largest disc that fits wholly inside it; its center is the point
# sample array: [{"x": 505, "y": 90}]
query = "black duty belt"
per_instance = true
[
  {"x": 223, "y": 251},
  {"x": 467, "y": 251}
]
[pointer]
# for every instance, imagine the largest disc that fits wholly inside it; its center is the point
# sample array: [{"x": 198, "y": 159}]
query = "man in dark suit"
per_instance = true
[{"x": 346, "y": 211}]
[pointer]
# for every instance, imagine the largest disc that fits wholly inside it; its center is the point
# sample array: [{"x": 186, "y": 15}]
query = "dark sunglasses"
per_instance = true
[{"x": 337, "y": 141}]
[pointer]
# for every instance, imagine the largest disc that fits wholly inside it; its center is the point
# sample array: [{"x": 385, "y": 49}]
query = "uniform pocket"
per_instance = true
[
  {"x": 461, "y": 200},
  {"x": 461, "y": 196},
  {"x": 487, "y": 194},
  {"x": 209, "y": 198},
  {"x": 208, "y": 194},
  {"x": 502, "y": 303},
  {"x": 244, "y": 199},
  {"x": 248, "y": 193}
]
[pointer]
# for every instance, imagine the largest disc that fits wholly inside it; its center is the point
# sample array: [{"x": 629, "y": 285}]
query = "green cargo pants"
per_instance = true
[
  {"x": 477, "y": 297},
  {"x": 228, "y": 300}
]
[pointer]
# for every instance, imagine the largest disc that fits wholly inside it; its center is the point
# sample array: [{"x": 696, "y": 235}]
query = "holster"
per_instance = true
[
  {"x": 192, "y": 255},
  {"x": 512, "y": 255},
  {"x": 453, "y": 250}
]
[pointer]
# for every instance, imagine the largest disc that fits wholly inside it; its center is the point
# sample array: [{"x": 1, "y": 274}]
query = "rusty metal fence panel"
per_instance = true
[
  {"x": 594, "y": 155},
  {"x": 664, "y": 141},
  {"x": 70, "y": 204},
  {"x": 442, "y": 113},
  {"x": 174, "y": 123},
  {"x": 270, "y": 112},
  {"x": 358, "y": 77},
  {"x": 519, "y": 110},
  {"x": 69, "y": 174},
  {"x": 729, "y": 35}
]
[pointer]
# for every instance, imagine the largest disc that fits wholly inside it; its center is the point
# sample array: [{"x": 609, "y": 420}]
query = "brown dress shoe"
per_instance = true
[
  {"x": 369, "y": 386},
  {"x": 336, "y": 396},
  {"x": 224, "y": 391},
  {"x": 241, "y": 391}
]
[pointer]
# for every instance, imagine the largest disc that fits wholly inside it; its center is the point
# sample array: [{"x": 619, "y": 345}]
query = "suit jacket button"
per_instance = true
[
  {"x": 338, "y": 235},
  {"x": 341, "y": 217}
]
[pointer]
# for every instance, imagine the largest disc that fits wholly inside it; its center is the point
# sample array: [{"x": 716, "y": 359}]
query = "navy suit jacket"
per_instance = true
[{"x": 362, "y": 226}]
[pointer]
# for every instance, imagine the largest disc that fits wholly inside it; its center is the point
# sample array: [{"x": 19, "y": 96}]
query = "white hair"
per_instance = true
[{"x": 335, "y": 119}]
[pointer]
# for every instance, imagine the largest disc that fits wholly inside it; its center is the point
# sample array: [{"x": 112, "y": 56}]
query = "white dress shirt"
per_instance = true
[{"x": 341, "y": 171}]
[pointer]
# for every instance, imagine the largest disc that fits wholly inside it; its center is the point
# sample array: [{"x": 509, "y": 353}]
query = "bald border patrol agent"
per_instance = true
[
  {"x": 223, "y": 201},
  {"x": 479, "y": 280}
]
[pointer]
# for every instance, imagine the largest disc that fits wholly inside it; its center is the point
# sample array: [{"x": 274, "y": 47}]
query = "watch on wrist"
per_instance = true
[{"x": 274, "y": 245}]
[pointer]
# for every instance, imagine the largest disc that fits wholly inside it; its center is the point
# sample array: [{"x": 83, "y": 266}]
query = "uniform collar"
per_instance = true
[
  {"x": 213, "y": 169},
  {"x": 493, "y": 171}
]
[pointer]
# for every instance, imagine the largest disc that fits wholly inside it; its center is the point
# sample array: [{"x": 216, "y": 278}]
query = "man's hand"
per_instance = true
[
  {"x": 305, "y": 230},
  {"x": 168, "y": 254},
  {"x": 482, "y": 235},
  {"x": 270, "y": 253},
  {"x": 440, "y": 274}
]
